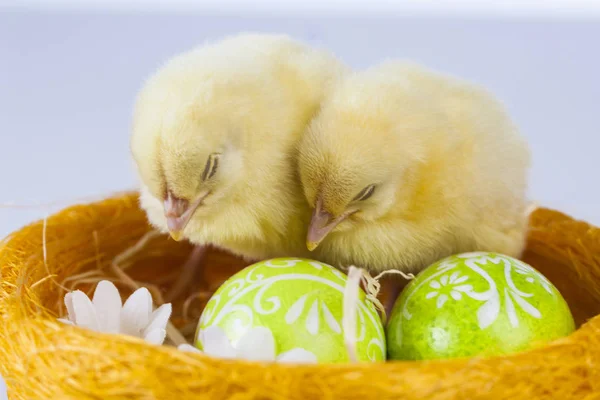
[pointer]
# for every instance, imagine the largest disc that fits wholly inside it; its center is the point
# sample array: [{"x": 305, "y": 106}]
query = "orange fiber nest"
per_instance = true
[{"x": 41, "y": 358}]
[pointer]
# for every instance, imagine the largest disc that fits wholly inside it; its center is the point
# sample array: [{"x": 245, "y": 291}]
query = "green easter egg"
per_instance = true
[
  {"x": 300, "y": 302},
  {"x": 476, "y": 304}
]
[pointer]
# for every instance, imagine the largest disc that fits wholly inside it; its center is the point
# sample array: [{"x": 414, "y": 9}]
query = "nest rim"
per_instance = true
[{"x": 394, "y": 376}]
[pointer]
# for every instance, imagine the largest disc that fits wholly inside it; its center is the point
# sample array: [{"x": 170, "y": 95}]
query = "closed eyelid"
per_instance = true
[
  {"x": 365, "y": 193},
  {"x": 215, "y": 165},
  {"x": 211, "y": 166},
  {"x": 207, "y": 168}
]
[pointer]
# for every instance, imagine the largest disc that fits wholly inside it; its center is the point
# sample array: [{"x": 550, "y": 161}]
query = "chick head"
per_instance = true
[
  {"x": 353, "y": 160},
  {"x": 187, "y": 153}
]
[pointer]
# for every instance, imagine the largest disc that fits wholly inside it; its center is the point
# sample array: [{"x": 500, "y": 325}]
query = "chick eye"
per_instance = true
[
  {"x": 212, "y": 164},
  {"x": 365, "y": 193}
]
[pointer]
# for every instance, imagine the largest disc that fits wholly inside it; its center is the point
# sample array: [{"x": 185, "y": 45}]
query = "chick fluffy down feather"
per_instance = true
[
  {"x": 449, "y": 166},
  {"x": 249, "y": 98}
]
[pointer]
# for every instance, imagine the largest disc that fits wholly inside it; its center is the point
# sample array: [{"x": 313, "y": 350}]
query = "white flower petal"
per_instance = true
[
  {"x": 297, "y": 355},
  {"x": 136, "y": 311},
  {"x": 216, "y": 343},
  {"x": 453, "y": 277},
  {"x": 189, "y": 348},
  {"x": 312, "y": 320},
  {"x": 159, "y": 318},
  {"x": 330, "y": 319},
  {"x": 257, "y": 344},
  {"x": 455, "y": 295},
  {"x": 69, "y": 305},
  {"x": 107, "y": 302},
  {"x": 3, "y": 389},
  {"x": 441, "y": 300},
  {"x": 461, "y": 279},
  {"x": 295, "y": 310},
  {"x": 464, "y": 288},
  {"x": 84, "y": 311},
  {"x": 444, "y": 280},
  {"x": 435, "y": 285},
  {"x": 431, "y": 295},
  {"x": 156, "y": 336}
]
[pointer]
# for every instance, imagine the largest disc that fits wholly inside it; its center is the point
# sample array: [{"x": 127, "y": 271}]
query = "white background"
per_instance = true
[{"x": 69, "y": 71}]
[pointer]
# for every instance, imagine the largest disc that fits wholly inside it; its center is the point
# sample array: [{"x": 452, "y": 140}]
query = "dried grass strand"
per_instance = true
[{"x": 350, "y": 308}]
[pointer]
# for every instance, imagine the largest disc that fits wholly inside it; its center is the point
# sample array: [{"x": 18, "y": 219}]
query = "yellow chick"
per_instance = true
[
  {"x": 215, "y": 138},
  {"x": 404, "y": 166}
]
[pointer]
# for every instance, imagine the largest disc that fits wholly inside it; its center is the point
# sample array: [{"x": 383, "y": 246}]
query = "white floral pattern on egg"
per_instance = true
[
  {"x": 476, "y": 304},
  {"x": 299, "y": 302}
]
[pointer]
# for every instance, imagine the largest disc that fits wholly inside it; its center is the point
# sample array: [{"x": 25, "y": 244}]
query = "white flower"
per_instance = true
[
  {"x": 106, "y": 314},
  {"x": 453, "y": 283},
  {"x": 3, "y": 391},
  {"x": 257, "y": 344}
]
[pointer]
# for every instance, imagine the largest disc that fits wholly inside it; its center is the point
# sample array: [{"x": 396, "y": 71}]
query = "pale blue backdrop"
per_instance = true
[{"x": 68, "y": 80}]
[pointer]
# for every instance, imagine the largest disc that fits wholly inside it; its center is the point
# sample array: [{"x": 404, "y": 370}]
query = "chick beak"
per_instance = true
[
  {"x": 321, "y": 224},
  {"x": 179, "y": 212}
]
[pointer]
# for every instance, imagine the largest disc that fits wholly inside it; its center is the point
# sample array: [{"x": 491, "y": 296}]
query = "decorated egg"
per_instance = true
[
  {"x": 476, "y": 304},
  {"x": 287, "y": 309}
]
